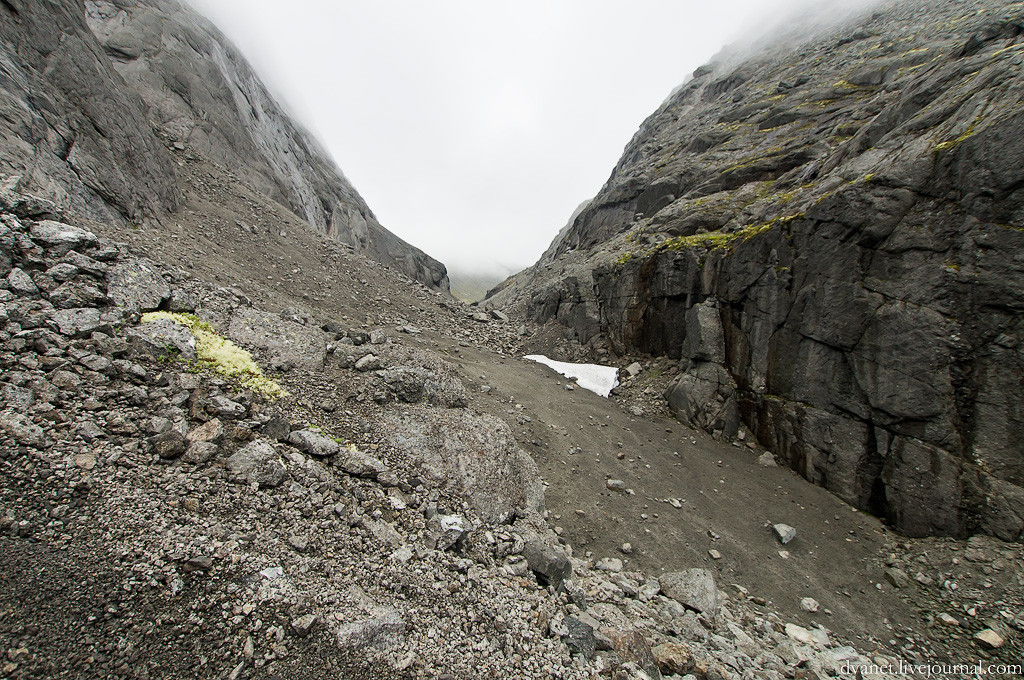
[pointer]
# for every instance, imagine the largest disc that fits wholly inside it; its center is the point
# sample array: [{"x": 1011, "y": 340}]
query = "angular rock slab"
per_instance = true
[
  {"x": 258, "y": 463},
  {"x": 286, "y": 342},
  {"x": 384, "y": 630},
  {"x": 476, "y": 455},
  {"x": 693, "y": 588},
  {"x": 137, "y": 285}
]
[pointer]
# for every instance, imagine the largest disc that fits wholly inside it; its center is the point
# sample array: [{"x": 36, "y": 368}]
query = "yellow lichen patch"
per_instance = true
[{"x": 222, "y": 355}]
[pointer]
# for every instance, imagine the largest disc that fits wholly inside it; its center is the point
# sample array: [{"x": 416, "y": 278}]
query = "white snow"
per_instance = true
[{"x": 598, "y": 379}]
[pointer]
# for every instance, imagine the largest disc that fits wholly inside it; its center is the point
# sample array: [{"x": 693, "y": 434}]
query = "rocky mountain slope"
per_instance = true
[
  {"x": 826, "y": 230},
  {"x": 94, "y": 94},
  {"x": 234, "y": 448},
  {"x": 166, "y": 516}
]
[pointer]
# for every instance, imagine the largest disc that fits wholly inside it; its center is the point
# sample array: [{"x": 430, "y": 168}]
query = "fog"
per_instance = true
[{"x": 474, "y": 129}]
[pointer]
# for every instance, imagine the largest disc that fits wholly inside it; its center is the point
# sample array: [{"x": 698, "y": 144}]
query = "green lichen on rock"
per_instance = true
[{"x": 223, "y": 356}]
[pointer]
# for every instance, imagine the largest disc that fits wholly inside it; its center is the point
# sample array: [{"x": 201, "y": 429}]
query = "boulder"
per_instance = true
[
  {"x": 693, "y": 588},
  {"x": 258, "y": 463},
  {"x": 136, "y": 285},
  {"x": 477, "y": 456},
  {"x": 59, "y": 238}
]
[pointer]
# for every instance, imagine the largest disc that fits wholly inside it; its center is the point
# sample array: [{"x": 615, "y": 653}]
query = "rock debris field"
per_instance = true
[{"x": 408, "y": 509}]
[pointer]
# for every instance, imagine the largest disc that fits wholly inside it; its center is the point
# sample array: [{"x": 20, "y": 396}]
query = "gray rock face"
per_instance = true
[
  {"x": 477, "y": 455},
  {"x": 74, "y": 135},
  {"x": 203, "y": 92},
  {"x": 833, "y": 258},
  {"x": 94, "y": 93}
]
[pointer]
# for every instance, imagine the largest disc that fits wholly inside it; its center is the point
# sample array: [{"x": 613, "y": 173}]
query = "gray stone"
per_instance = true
[
  {"x": 357, "y": 463},
  {"x": 23, "y": 430},
  {"x": 784, "y": 533},
  {"x": 633, "y": 369},
  {"x": 17, "y": 398},
  {"x": 136, "y": 285},
  {"x": 221, "y": 406},
  {"x": 20, "y": 283},
  {"x": 304, "y": 625},
  {"x": 579, "y": 638},
  {"x": 412, "y": 384},
  {"x": 211, "y": 431},
  {"x": 385, "y": 630},
  {"x": 989, "y": 639},
  {"x": 170, "y": 444},
  {"x": 59, "y": 238},
  {"x": 79, "y": 323},
  {"x": 258, "y": 463},
  {"x": 544, "y": 555},
  {"x": 476, "y": 455},
  {"x": 612, "y": 564},
  {"x": 369, "y": 363},
  {"x": 162, "y": 339},
  {"x": 200, "y": 452},
  {"x": 313, "y": 443},
  {"x": 284, "y": 342},
  {"x": 693, "y": 588}
]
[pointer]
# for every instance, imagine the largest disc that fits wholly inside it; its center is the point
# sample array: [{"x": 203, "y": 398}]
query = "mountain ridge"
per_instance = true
[{"x": 826, "y": 233}]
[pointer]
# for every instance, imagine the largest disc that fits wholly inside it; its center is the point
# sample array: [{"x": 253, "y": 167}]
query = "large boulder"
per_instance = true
[
  {"x": 477, "y": 456},
  {"x": 258, "y": 463}
]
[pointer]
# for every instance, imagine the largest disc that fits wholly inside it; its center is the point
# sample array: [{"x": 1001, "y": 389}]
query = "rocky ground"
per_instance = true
[{"x": 423, "y": 504}]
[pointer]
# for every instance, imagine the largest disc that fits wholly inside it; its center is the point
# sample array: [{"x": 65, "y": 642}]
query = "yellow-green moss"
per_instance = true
[{"x": 222, "y": 355}]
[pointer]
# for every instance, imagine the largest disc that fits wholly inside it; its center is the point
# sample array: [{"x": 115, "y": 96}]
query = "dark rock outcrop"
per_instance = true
[
  {"x": 95, "y": 95},
  {"x": 828, "y": 234}
]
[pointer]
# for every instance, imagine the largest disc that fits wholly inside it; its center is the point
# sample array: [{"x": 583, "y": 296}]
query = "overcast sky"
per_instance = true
[{"x": 473, "y": 129}]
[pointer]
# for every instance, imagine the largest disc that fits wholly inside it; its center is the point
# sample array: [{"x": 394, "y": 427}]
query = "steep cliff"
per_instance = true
[
  {"x": 828, "y": 231},
  {"x": 93, "y": 93}
]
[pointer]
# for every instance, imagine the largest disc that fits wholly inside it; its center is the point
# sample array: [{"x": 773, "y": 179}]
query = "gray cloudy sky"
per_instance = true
[{"x": 474, "y": 128}]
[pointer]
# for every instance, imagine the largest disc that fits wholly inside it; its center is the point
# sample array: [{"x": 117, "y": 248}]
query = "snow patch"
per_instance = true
[{"x": 598, "y": 379}]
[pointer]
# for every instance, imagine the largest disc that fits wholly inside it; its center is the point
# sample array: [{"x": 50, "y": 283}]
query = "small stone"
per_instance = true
[
  {"x": 23, "y": 430},
  {"x": 947, "y": 619},
  {"x": 304, "y": 624},
  {"x": 168, "y": 445},
  {"x": 715, "y": 555},
  {"x": 615, "y": 485},
  {"x": 611, "y": 564},
  {"x": 626, "y": 548},
  {"x": 20, "y": 283},
  {"x": 633, "y": 369},
  {"x": 271, "y": 573},
  {"x": 693, "y": 588},
  {"x": 673, "y": 658},
  {"x": 989, "y": 639},
  {"x": 198, "y": 453},
  {"x": 896, "y": 578},
  {"x": 199, "y": 563},
  {"x": 784, "y": 533},
  {"x": 369, "y": 362},
  {"x": 766, "y": 459},
  {"x": 809, "y": 604},
  {"x": 299, "y": 543},
  {"x": 220, "y": 405},
  {"x": 313, "y": 443}
]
